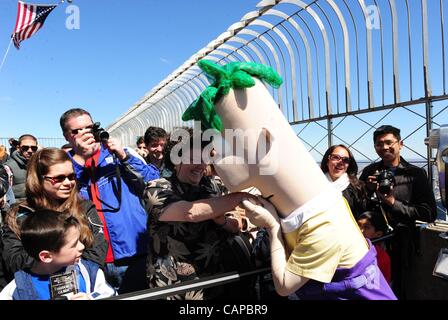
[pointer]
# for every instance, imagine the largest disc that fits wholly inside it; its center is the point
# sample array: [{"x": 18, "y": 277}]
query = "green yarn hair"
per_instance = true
[{"x": 237, "y": 75}]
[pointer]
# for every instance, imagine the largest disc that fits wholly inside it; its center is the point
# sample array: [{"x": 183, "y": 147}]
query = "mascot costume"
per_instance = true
[{"x": 317, "y": 249}]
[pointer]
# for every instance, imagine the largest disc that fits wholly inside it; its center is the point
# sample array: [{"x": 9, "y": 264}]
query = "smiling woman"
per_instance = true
[
  {"x": 340, "y": 168},
  {"x": 50, "y": 184},
  {"x": 192, "y": 237}
]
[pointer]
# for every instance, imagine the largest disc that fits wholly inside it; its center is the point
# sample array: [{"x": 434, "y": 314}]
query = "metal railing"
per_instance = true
[
  {"x": 44, "y": 142},
  {"x": 180, "y": 288},
  {"x": 203, "y": 283},
  {"x": 348, "y": 66}
]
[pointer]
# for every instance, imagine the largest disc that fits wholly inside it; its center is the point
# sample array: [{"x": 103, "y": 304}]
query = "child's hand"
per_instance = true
[{"x": 80, "y": 296}]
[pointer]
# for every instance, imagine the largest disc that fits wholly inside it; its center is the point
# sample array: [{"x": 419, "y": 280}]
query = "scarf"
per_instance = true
[{"x": 340, "y": 183}]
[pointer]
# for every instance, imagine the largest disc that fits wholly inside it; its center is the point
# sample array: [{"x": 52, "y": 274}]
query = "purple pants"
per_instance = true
[{"x": 364, "y": 281}]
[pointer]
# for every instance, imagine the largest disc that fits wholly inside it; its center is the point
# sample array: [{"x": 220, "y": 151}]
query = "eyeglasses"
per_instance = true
[
  {"x": 26, "y": 148},
  {"x": 61, "y": 178},
  {"x": 76, "y": 131},
  {"x": 337, "y": 158},
  {"x": 386, "y": 143}
]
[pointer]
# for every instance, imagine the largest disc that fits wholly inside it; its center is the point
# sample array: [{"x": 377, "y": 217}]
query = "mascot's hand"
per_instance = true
[{"x": 263, "y": 215}]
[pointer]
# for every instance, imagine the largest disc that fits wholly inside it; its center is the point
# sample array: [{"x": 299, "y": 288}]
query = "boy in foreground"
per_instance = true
[{"x": 52, "y": 238}]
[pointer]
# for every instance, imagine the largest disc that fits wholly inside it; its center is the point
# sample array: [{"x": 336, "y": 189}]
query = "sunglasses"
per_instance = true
[
  {"x": 61, "y": 178},
  {"x": 76, "y": 131},
  {"x": 337, "y": 158},
  {"x": 26, "y": 148}
]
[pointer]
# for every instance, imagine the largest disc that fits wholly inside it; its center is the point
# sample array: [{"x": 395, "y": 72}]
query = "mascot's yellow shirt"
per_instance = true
[{"x": 325, "y": 240}]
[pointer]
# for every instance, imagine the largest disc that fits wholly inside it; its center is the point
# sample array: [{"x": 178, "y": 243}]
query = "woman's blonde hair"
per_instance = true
[
  {"x": 3, "y": 153},
  {"x": 37, "y": 199}
]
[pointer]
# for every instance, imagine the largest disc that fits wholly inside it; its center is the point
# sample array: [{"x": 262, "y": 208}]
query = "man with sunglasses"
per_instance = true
[
  {"x": 18, "y": 162},
  {"x": 114, "y": 179},
  {"x": 409, "y": 199}
]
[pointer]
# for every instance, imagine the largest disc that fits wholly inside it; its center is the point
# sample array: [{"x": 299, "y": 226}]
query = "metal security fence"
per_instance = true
[
  {"x": 348, "y": 66},
  {"x": 185, "y": 286},
  {"x": 212, "y": 281},
  {"x": 44, "y": 142}
]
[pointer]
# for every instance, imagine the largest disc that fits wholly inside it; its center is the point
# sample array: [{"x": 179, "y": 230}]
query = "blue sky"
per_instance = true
[
  {"x": 121, "y": 51},
  {"x": 125, "y": 48}
]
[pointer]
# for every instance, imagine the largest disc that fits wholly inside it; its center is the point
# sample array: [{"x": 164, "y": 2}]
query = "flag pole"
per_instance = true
[
  {"x": 10, "y": 42},
  {"x": 7, "y": 50}
]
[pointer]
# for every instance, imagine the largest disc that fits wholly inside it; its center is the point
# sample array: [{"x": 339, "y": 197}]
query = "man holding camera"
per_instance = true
[
  {"x": 114, "y": 180},
  {"x": 404, "y": 194}
]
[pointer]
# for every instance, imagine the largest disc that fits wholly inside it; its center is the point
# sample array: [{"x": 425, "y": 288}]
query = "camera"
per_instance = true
[
  {"x": 99, "y": 133},
  {"x": 386, "y": 181}
]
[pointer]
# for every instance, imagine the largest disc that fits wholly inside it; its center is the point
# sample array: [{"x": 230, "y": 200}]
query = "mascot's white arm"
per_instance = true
[{"x": 265, "y": 216}]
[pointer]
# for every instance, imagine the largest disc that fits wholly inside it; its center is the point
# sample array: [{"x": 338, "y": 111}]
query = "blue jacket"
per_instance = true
[
  {"x": 120, "y": 199},
  {"x": 24, "y": 284}
]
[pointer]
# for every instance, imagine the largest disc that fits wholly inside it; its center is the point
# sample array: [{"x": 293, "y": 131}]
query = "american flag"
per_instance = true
[{"x": 30, "y": 18}]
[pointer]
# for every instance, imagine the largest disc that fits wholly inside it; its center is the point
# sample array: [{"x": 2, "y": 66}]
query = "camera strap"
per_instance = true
[
  {"x": 95, "y": 197},
  {"x": 383, "y": 212}
]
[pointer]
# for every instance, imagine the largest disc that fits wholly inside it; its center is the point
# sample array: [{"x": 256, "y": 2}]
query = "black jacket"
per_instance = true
[
  {"x": 4, "y": 184},
  {"x": 414, "y": 200},
  {"x": 18, "y": 164},
  {"x": 356, "y": 201},
  {"x": 15, "y": 257},
  {"x": 414, "y": 197}
]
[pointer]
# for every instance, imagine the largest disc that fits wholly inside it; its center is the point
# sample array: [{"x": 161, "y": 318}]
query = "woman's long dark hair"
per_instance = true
[{"x": 352, "y": 169}]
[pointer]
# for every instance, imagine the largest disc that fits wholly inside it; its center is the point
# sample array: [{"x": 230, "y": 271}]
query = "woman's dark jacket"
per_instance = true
[
  {"x": 357, "y": 200},
  {"x": 4, "y": 183}
]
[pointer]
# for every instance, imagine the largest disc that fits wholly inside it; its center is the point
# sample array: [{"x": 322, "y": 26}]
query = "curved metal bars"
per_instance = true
[{"x": 292, "y": 36}]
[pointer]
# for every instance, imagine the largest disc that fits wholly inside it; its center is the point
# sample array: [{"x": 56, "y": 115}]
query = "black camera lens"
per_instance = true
[
  {"x": 99, "y": 133},
  {"x": 103, "y": 135},
  {"x": 385, "y": 180}
]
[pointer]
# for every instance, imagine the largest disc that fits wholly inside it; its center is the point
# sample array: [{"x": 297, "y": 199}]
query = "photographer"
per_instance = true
[
  {"x": 406, "y": 196},
  {"x": 113, "y": 179}
]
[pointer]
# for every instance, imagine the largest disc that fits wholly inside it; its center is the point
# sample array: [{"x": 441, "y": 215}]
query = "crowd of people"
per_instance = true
[{"x": 125, "y": 219}]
